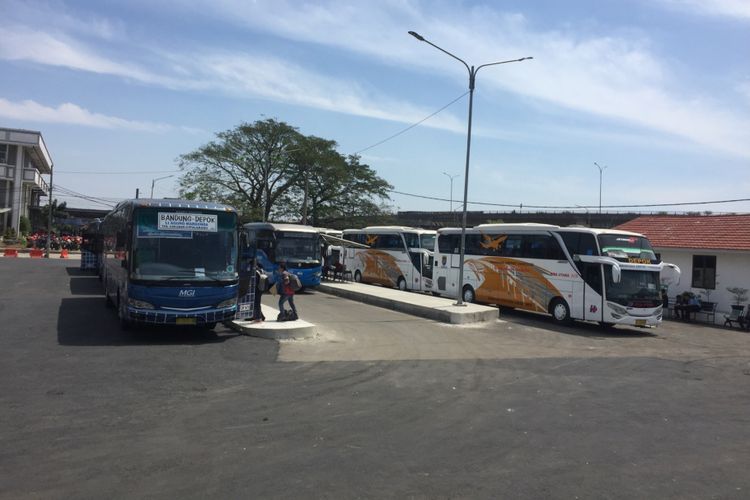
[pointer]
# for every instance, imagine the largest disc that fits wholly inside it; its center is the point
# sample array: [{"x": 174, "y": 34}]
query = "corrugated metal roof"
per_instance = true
[{"x": 718, "y": 232}]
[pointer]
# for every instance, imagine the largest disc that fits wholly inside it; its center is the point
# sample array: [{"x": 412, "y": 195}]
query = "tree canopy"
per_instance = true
[{"x": 269, "y": 170}]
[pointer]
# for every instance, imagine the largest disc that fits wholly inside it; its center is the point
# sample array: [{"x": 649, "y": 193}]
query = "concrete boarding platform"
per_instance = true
[
  {"x": 418, "y": 304},
  {"x": 276, "y": 330}
]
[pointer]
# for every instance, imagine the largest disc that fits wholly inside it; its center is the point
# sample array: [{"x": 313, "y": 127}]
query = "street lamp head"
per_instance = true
[{"x": 417, "y": 36}]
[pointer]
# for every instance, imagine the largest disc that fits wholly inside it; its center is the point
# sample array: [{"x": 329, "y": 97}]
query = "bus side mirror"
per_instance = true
[{"x": 616, "y": 274}]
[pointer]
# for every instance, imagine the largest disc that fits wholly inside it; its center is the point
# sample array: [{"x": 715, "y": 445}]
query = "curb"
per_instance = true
[
  {"x": 274, "y": 330},
  {"x": 439, "y": 308}
]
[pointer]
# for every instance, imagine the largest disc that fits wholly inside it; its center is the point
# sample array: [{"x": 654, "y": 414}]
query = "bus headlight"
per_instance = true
[
  {"x": 139, "y": 304},
  {"x": 617, "y": 309},
  {"x": 227, "y": 303}
]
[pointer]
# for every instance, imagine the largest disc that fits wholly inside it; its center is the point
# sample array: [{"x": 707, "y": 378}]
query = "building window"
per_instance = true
[
  {"x": 8, "y": 154},
  {"x": 704, "y": 271}
]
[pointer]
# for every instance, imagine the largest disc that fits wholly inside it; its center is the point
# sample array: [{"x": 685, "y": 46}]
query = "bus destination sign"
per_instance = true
[{"x": 175, "y": 221}]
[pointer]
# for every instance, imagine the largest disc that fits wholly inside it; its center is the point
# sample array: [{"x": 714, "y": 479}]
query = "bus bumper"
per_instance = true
[{"x": 187, "y": 318}]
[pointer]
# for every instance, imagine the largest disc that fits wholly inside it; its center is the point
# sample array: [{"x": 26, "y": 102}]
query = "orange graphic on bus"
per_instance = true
[
  {"x": 491, "y": 243},
  {"x": 370, "y": 240},
  {"x": 379, "y": 267},
  {"x": 513, "y": 283}
]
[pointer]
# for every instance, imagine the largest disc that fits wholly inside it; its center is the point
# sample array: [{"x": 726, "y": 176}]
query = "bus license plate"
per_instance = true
[
  {"x": 640, "y": 322},
  {"x": 185, "y": 321}
]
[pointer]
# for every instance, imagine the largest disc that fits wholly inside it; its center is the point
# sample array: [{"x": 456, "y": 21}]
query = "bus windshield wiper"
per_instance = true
[{"x": 193, "y": 278}]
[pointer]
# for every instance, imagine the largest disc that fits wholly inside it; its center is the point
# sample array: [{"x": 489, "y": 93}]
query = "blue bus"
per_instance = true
[
  {"x": 297, "y": 246},
  {"x": 171, "y": 262}
]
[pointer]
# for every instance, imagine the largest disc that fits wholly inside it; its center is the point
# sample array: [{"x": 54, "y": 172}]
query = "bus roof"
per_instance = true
[
  {"x": 176, "y": 203},
  {"x": 534, "y": 227},
  {"x": 390, "y": 229},
  {"x": 525, "y": 226},
  {"x": 598, "y": 231},
  {"x": 326, "y": 230},
  {"x": 273, "y": 226}
]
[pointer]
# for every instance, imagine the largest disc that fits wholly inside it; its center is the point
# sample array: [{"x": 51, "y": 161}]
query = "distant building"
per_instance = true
[
  {"x": 23, "y": 160},
  {"x": 713, "y": 251}
]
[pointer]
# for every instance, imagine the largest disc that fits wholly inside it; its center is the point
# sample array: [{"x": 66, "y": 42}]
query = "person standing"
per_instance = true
[
  {"x": 260, "y": 287},
  {"x": 286, "y": 286}
]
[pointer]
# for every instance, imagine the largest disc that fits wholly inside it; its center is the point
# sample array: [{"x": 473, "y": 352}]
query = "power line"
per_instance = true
[
  {"x": 412, "y": 125},
  {"x": 123, "y": 172},
  {"x": 551, "y": 207}
]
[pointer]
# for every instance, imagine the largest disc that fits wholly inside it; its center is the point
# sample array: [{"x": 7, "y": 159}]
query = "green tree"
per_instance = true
[
  {"x": 59, "y": 211},
  {"x": 267, "y": 170},
  {"x": 24, "y": 226},
  {"x": 247, "y": 167}
]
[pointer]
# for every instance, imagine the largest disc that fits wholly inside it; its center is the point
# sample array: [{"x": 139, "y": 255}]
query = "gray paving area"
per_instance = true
[{"x": 376, "y": 404}]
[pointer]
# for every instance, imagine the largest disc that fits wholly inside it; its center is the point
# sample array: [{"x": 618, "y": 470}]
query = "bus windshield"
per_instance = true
[
  {"x": 635, "y": 289},
  {"x": 628, "y": 248},
  {"x": 427, "y": 241},
  {"x": 297, "y": 247},
  {"x": 207, "y": 254}
]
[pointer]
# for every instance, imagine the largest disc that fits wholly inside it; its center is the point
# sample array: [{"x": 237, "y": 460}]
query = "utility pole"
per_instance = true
[{"x": 601, "y": 170}]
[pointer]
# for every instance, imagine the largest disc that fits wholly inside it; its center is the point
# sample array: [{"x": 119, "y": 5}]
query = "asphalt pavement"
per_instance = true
[{"x": 378, "y": 404}]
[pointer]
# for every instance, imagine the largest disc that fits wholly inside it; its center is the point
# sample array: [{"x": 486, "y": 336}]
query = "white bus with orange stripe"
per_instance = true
[
  {"x": 603, "y": 275},
  {"x": 396, "y": 256}
]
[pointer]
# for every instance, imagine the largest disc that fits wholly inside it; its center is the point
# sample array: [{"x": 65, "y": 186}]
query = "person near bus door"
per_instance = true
[
  {"x": 286, "y": 286},
  {"x": 260, "y": 287}
]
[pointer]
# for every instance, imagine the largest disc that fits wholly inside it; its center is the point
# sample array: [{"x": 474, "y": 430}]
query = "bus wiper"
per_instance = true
[{"x": 192, "y": 277}]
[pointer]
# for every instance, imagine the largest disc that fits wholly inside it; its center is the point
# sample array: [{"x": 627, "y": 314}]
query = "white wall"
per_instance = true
[{"x": 732, "y": 270}]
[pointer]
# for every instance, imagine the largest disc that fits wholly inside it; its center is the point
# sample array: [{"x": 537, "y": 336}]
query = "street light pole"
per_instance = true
[
  {"x": 472, "y": 80},
  {"x": 601, "y": 170},
  {"x": 451, "y": 177},
  {"x": 154, "y": 182}
]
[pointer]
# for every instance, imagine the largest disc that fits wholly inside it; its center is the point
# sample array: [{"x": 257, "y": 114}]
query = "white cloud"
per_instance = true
[
  {"x": 75, "y": 115},
  {"x": 613, "y": 77},
  {"x": 616, "y": 77},
  {"x": 737, "y": 9},
  {"x": 269, "y": 78},
  {"x": 241, "y": 75},
  {"x": 743, "y": 88},
  {"x": 55, "y": 14}
]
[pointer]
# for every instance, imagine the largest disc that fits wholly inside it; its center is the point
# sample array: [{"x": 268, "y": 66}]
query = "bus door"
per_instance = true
[
  {"x": 592, "y": 295},
  {"x": 421, "y": 270},
  {"x": 246, "y": 255}
]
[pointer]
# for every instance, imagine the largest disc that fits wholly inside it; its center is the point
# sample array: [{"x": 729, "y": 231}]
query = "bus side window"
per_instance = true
[
  {"x": 390, "y": 242},
  {"x": 472, "y": 245},
  {"x": 512, "y": 246},
  {"x": 587, "y": 245}
]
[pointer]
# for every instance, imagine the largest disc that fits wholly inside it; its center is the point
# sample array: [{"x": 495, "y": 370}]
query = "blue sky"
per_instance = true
[{"x": 658, "y": 91}]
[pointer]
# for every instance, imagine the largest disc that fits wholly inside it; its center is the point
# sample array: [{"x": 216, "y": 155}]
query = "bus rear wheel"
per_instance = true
[
  {"x": 468, "y": 294},
  {"x": 560, "y": 311},
  {"x": 357, "y": 276}
]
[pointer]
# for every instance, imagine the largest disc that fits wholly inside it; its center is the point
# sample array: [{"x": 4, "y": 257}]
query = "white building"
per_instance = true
[
  {"x": 713, "y": 252},
  {"x": 23, "y": 160}
]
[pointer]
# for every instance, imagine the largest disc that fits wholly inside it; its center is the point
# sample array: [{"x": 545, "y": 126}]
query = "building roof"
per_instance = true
[
  {"x": 34, "y": 142},
  {"x": 716, "y": 232}
]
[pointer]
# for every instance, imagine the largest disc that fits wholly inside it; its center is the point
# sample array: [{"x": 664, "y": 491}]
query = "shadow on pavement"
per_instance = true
[
  {"x": 86, "y": 321},
  {"x": 77, "y": 271},
  {"x": 577, "y": 328},
  {"x": 85, "y": 285}
]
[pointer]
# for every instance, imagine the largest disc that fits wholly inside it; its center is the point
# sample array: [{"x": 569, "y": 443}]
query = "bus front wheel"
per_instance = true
[
  {"x": 401, "y": 283},
  {"x": 468, "y": 294},
  {"x": 357, "y": 276},
  {"x": 122, "y": 313},
  {"x": 560, "y": 311}
]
